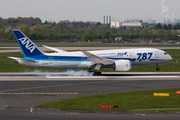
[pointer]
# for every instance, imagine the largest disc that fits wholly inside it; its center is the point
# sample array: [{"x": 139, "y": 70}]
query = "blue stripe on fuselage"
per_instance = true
[{"x": 72, "y": 58}]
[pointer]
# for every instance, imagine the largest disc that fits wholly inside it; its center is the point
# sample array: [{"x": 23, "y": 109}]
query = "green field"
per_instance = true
[
  {"x": 127, "y": 100},
  {"x": 7, "y": 65}
]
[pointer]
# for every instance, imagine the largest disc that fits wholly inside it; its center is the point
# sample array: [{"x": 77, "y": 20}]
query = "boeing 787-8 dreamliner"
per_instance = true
[{"x": 117, "y": 59}]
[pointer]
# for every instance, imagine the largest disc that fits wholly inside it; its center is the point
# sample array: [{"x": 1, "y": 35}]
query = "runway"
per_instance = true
[
  {"x": 19, "y": 92},
  {"x": 105, "y": 76}
]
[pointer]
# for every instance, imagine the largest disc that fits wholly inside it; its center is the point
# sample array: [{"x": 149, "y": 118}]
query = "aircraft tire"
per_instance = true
[
  {"x": 157, "y": 69},
  {"x": 97, "y": 73}
]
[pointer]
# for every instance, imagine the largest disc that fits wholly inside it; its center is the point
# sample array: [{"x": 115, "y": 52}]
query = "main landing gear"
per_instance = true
[
  {"x": 158, "y": 69},
  {"x": 95, "y": 72}
]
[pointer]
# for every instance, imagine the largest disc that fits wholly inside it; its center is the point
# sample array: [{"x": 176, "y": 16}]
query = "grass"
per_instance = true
[
  {"x": 127, "y": 100},
  {"x": 172, "y": 66}
]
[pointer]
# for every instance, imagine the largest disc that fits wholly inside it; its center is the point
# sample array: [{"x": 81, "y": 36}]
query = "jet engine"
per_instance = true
[{"x": 122, "y": 65}]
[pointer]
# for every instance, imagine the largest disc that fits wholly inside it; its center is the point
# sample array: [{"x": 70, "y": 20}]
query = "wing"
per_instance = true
[
  {"x": 54, "y": 49},
  {"x": 96, "y": 59}
]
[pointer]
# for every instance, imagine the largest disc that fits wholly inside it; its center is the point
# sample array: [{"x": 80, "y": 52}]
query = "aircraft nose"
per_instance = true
[{"x": 170, "y": 58}]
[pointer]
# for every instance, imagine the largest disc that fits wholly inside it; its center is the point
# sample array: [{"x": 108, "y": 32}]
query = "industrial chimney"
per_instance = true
[{"x": 107, "y": 20}]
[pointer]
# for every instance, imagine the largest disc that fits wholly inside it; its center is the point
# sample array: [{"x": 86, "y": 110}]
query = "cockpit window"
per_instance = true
[{"x": 165, "y": 53}]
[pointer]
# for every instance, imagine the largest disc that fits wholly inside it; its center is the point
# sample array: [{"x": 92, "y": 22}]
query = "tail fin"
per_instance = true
[{"x": 27, "y": 46}]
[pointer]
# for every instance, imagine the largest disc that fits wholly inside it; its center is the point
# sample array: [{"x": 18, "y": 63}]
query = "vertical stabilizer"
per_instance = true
[{"x": 27, "y": 46}]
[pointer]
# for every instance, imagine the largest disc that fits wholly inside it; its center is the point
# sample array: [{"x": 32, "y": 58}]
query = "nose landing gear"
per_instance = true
[{"x": 158, "y": 69}]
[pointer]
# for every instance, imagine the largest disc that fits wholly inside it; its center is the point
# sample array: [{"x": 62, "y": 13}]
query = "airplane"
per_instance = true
[{"x": 117, "y": 59}]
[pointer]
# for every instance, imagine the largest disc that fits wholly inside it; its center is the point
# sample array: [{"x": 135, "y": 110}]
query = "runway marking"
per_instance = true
[
  {"x": 56, "y": 86},
  {"x": 39, "y": 93},
  {"x": 35, "y": 87},
  {"x": 82, "y": 83},
  {"x": 44, "y": 87}
]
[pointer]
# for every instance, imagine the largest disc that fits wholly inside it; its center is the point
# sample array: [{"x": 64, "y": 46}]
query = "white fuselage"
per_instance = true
[{"x": 77, "y": 60}]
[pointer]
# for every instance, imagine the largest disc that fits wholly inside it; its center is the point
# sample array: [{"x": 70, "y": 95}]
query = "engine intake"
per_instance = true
[{"x": 122, "y": 65}]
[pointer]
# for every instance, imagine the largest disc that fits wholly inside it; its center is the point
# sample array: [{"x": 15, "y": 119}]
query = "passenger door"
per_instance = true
[
  {"x": 156, "y": 54},
  {"x": 51, "y": 60}
]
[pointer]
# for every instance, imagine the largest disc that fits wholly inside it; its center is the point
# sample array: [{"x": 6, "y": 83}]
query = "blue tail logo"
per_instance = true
[
  {"x": 27, "y": 46},
  {"x": 27, "y": 43}
]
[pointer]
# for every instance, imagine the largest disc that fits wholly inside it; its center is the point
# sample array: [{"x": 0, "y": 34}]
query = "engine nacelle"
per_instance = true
[{"x": 122, "y": 65}]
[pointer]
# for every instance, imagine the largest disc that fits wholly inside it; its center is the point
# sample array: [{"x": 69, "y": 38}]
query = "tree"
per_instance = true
[
  {"x": 107, "y": 35},
  {"x": 165, "y": 27},
  {"x": 58, "y": 29},
  {"x": 50, "y": 36},
  {"x": 35, "y": 29},
  {"x": 33, "y": 36},
  {"x": 15, "y": 21},
  {"x": 46, "y": 22},
  {"x": 37, "y": 20},
  {"x": 98, "y": 24},
  {"x": 11, "y": 36},
  {"x": 25, "y": 29},
  {"x": 173, "y": 34},
  {"x": 167, "y": 36},
  {"x": 53, "y": 36},
  {"x": 88, "y": 36},
  {"x": 154, "y": 33},
  {"x": 113, "y": 30},
  {"x": 169, "y": 27},
  {"x": 146, "y": 32},
  {"x": 177, "y": 25},
  {"x": 161, "y": 32},
  {"x": 39, "y": 36},
  {"x": 158, "y": 26}
]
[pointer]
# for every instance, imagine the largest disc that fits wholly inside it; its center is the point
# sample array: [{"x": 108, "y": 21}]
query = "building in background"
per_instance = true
[
  {"x": 116, "y": 24},
  {"x": 129, "y": 24}
]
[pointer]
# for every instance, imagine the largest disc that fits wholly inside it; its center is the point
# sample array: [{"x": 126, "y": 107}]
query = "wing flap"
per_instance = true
[{"x": 96, "y": 59}]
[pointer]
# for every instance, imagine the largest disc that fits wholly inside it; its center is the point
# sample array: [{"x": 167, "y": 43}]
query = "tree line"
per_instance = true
[{"x": 35, "y": 29}]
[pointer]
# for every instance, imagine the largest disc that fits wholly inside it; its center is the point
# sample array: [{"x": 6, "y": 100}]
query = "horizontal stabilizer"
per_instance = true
[
  {"x": 21, "y": 59},
  {"x": 15, "y": 58}
]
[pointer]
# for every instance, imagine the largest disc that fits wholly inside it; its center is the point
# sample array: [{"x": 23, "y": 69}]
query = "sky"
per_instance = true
[{"x": 90, "y": 10}]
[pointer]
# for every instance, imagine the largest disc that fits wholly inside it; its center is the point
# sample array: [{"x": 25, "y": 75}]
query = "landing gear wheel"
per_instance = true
[
  {"x": 157, "y": 69},
  {"x": 97, "y": 73}
]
